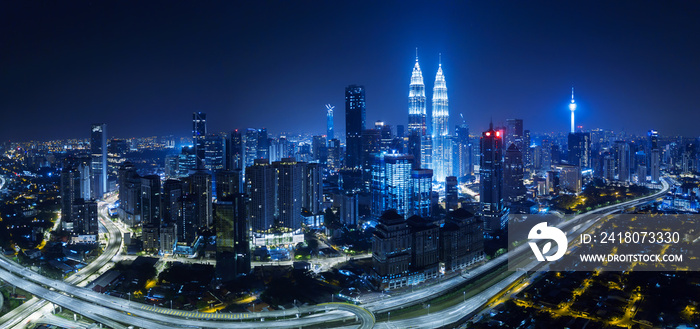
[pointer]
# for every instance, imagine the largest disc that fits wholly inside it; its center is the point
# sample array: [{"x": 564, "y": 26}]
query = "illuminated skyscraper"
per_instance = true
[
  {"x": 572, "y": 107},
  {"x": 419, "y": 142},
  {"x": 330, "y": 134},
  {"x": 260, "y": 186},
  {"x": 580, "y": 149},
  {"x": 199, "y": 132},
  {"x": 514, "y": 134},
  {"x": 234, "y": 151},
  {"x": 290, "y": 186},
  {"x": 491, "y": 175},
  {"x": 354, "y": 124},
  {"x": 416, "y": 102},
  {"x": 442, "y": 143},
  {"x": 654, "y": 154},
  {"x": 421, "y": 188},
  {"x": 98, "y": 149}
]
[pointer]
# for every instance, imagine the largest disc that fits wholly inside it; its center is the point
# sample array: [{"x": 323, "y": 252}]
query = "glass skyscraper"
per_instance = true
[{"x": 354, "y": 124}]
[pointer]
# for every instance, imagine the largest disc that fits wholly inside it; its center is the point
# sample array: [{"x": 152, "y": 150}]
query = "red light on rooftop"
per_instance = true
[{"x": 498, "y": 133}]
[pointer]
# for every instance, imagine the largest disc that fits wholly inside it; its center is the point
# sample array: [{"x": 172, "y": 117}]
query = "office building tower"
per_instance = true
[
  {"x": 349, "y": 209},
  {"x": 186, "y": 161},
  {"x": 354, "y": 124},
  {"x": 462, "y": 158},
  {"x": 527, "y": 150},
  {"x": 232, "y": 238},
  {"x": 290, "y": 182},
  {"x": 129, "y": 194},
  {"x": 421, "y": 187},
  {"x": 424, "y": 249},
  {"x": 451, "y": 193},
  {"x": 391, "y": 251},
  {"x": 654, "y": 153},
  {"x": 187, "y": 227},
  {"x": 235, "y": 151},
  {"x": 167, "y": 237},
  {"x": 580, "y": 149},
  {"x": 214, "y": 152},
  {"x": 70, "y": 191},
  {"x": 172, "y": 201},
  {"x": 491, "y": 175},
  {"x": 319, "y": 149},
  {"x": 513, "y": 175},
  {"x": 250, "y": 147},
  {"x": 334, "y": 162},
  {"x": 312, "y": 193},
  {"x": 228, "y": 182},
  {"x": 622, "y": 161},
  {"x": 385, "y": 136},
  {"x": 199, "y": 133},
  {"x": 545, "y": 150},
  {"x": 514, "y": 134},
  {"x": 98, "y": 150},
  {"x": 151, "y": 201},
  {"x": 330, "y": 134},
  {"x": 263, "y": 148},
  {"x": 569, "y": 178},
  {"x": 84, "y": 217},
  {"x": 461, "y": 241},
  {"x": 442, "y": 142},
  {"x": 397, "y": 189},
  {"x": 200, "y": 187},
  {"x": 149, "y": 237},
  {"x": 261, "y": 188}
]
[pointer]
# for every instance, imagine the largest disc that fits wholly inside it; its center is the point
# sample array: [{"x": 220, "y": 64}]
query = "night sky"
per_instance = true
[{"x": 143, "y": 67}]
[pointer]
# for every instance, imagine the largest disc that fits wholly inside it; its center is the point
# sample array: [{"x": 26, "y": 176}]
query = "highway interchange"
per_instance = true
[{"x": 113, "y": 311}]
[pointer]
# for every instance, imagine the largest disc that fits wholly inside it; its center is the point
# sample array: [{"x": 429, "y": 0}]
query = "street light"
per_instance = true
[
  {"x": 389, "y": 317},
  {"x": 464, "y": 293}
]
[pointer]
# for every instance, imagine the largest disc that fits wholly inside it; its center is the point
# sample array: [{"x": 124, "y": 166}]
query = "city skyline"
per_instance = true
[{"x": 187, "y": 59}]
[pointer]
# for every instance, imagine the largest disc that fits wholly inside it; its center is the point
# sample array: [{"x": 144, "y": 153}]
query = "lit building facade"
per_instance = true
[{"x": 442, "y": 143}]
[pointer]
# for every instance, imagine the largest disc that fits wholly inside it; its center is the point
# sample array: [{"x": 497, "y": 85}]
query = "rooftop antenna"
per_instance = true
[
  {"x": 416, "y": 54},
  {"x": 440, "y": 60}
]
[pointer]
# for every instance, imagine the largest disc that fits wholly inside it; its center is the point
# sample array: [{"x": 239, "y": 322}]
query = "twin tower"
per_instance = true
[{"x": 433, "y": 147}]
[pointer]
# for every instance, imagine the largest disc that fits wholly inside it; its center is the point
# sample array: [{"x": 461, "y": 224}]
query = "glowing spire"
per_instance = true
[
  {"x": 416, "y": 101},
  {"x": 442, "y": 149},
  {"x": 572, "y": 107}
]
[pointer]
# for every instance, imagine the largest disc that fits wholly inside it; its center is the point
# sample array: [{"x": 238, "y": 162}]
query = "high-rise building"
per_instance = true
[
  {"x": 263, "y": 147},
  {"x": 235, "y": 151},
  {"x": 451, "y": 193},
  {"x": 319, "y": 149},
  {"x": 416, "y": 102},
  {"x": 129, "y": 194},
  {"x": 334, "y": 154},
  {"x": 151, "y": 201},
  {"x": 290, "y": 180},
  {"x": 622, "y": 161},
  {"x": 251, "y": 147},
  {"x": 200, "y": 187},
  {"x": 149, "y": 236},
  {"x": 491, "y": 175},
  {"x": 330, "y": 134},
  {"x": 580, "y": 149},
  {"x": 228, "y": 182},
  {"x": 527, "y": 151},
  {"x": 461, "y": 240},
  {"x": 312, "y": 188},
  {"x": 232, "y": 237},
  {"x": 172, "y": 201},
  {"x": 421, "y": 188},
  {"x": 654, "y": 153},
  {"x": 354, "y": 124},
  {"x": 70, "y": 191},
  {"x": 424, "y": 249},
  {"x": 199, "y": 133},
  {"x": 167, "y": 237},
  {"x": 349, "y": 209},
  {"x": 569, "y": 177},
  {"x": 260, "y": 187},
  {"x": 513, "y": 174},
  {"x": 397, "y": 175},
  {"x": 514, "y": 134},
  {"x": 186, "y": 161},
  {"x": 84, "y": 217},
  {"x": 187, "y": 227},
  {"x": 391, "y": 251},
  {"x": 462, "y": 158},
  {"x": 442, "y": 143},
  {"x": 214, "y": 152},
  {"x": 98, "y": 150}
]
